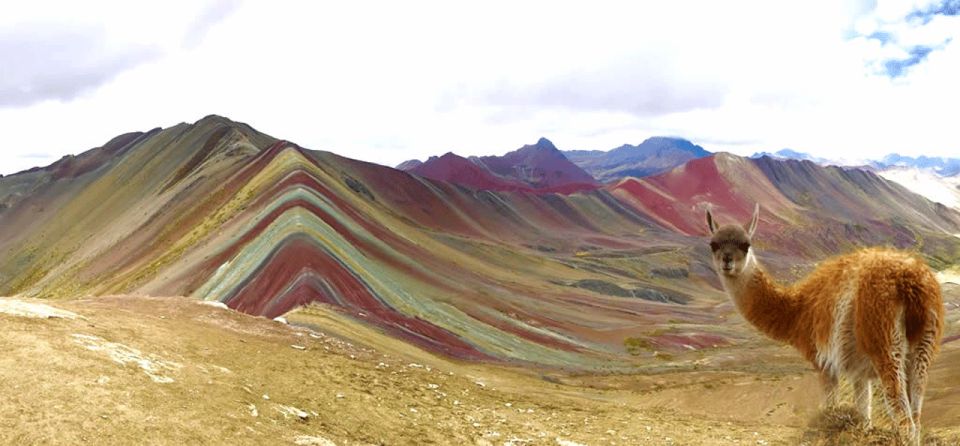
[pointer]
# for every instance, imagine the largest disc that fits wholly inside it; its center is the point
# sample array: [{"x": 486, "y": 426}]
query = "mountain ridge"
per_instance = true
[
  {"x": 538, "y": 167},
  {"x": 654, "y": 155}
]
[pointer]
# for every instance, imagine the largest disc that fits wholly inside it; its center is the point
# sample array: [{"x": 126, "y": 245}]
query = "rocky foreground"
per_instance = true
[{"x": 136, "y": 370}]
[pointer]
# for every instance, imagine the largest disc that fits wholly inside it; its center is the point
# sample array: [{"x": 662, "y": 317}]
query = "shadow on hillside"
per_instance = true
[{"x": 844, "y": 426}]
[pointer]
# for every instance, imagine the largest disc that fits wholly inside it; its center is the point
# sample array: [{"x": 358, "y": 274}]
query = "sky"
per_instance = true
[{"x": 387, "y": 81}]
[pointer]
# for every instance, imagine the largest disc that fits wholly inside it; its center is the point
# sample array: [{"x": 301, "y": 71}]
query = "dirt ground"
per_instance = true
[{"x": 137, "y": 370}]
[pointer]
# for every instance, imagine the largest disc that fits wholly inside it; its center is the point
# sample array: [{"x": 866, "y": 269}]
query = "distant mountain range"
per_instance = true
[
  {"x": 793, "y": 154},
  {"x": 542, "y": 167},
  {"x": 536, "y": 167},
  {"x": 946, "y": 167},
  {"x": 652, "y": 156},
  {"x": 942, "y": 166}
]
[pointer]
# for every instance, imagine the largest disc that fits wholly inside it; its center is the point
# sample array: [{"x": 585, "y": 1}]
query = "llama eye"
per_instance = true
[
  {"x": 714, "y": 246},
  {"x": 744, "y": 247}
]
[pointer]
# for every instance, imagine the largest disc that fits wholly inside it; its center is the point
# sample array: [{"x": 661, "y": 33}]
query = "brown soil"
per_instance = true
[{"x": 136, "y": 370}]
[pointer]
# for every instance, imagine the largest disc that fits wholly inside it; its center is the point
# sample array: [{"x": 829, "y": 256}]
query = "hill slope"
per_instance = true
[
  {"x": 125, "y": 370},
  {"x": 808, "y": 210},
  {"x": 268, "y": 227},
  {"x": 944, "y": 190}
]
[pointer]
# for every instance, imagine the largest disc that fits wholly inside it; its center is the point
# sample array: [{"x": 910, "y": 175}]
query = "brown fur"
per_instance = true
[{"x": 889, "y": 302}]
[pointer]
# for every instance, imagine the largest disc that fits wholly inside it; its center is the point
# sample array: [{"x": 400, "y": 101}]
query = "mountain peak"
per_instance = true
[
  {"x": 545, "y": 143},
  {"x": 214, "y": 119},
  {"x": 674, "y": 142},
  {"x": 409, "y": 164}
]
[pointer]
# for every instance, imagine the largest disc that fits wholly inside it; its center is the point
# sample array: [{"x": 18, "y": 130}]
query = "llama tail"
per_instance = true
[{"x": 923, "y": 306}]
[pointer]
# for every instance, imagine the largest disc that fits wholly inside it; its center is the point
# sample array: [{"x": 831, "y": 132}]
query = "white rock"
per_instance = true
[
  {"x": 152, "y": 366},
  {"x": 310, "y": 440},
  {"x": 214, "y": 303},
  {"x": 15, "y": 307},
  {"x": 289, "y": 411}
]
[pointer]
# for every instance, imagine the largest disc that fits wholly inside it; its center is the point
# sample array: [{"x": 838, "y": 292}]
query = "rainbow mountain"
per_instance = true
[{"x": 594, "y": 279}]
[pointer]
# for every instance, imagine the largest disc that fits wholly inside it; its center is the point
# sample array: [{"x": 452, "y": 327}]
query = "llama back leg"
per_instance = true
[
  {"x": 920, "y": 358},
  {"x": 863, "y": 388},
  {"x": 881, "y": 334},
  {"x": 893, "y": 380},
  {"x": 829, "y": 383},
  {"x": 891, "y": 368}
]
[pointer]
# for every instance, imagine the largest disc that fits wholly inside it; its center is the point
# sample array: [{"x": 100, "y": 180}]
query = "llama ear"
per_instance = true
[
  {"x": 711, "y": 223},
  {"x": 754, "y": 220}
]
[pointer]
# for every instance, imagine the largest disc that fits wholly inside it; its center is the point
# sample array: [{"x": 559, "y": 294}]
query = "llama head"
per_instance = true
[{"x": 731, "y": 244}]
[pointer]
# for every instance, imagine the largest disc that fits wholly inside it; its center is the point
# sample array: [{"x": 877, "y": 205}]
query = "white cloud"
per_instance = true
[{"x": 388, "y": 81}]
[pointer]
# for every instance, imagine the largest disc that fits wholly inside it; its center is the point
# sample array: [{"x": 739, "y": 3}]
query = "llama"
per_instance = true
[{"x": 872, "y": 314}]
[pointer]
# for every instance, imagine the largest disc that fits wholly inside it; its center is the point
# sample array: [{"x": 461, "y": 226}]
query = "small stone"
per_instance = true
[
  {"x": 307, "y": 440},
  {"x": 288, "y": 411}
]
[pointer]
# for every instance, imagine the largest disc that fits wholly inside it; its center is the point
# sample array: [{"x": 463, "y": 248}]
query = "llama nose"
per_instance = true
[{"x": 727, "y": 259}]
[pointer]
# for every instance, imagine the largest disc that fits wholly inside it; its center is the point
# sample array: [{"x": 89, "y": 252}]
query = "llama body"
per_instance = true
[{"x": 875, "y": 314}]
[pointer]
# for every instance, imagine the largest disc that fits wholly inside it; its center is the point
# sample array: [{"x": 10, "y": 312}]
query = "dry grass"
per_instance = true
[
  {"x": 844, "y": 426},
  {"x": 132, "y": 370}
]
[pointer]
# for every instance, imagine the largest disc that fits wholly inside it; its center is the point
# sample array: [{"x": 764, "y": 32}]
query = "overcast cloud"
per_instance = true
[
  {"x": 59, "y": 61},
  {"x": 388, "y": 81}
]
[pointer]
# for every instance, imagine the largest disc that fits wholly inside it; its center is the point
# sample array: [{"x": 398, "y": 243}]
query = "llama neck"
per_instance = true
[{"x": 763, "y": 302}]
